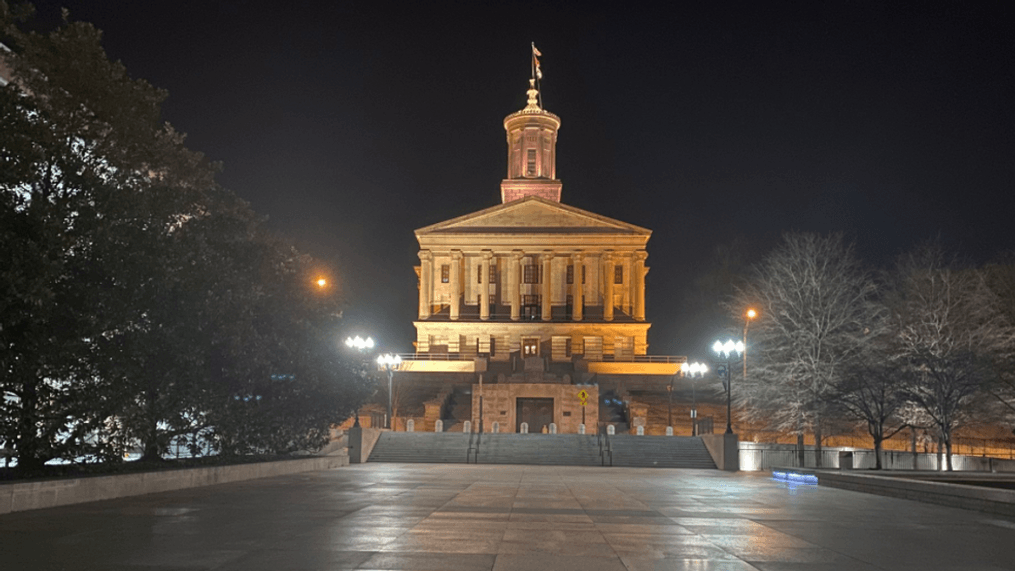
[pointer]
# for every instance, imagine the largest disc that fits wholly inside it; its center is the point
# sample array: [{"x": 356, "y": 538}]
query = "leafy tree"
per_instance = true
[
  {"x": 142, "y": 301},
  {"x": 815, "y": 304}
]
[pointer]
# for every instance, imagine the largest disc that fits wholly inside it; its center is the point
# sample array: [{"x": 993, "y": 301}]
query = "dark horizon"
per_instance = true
[{"x": 352, "y": 125}]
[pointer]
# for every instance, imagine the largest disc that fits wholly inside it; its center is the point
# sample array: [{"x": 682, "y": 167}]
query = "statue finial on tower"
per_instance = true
[{"x": 533, "y": 103}]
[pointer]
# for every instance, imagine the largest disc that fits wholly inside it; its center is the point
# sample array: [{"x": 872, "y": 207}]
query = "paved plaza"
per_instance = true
[{"x": 467, "y": 517}]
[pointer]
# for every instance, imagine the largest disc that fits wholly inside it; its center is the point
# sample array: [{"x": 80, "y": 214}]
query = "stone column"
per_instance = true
[
  {"x": 639, "y": 285},
  {"x": 577, "y": 287},
  {"x": 547, "y": 285},
  {"x": 514, "y": 295},
  {"x": 608, "y": 264},
  {"x": 456, "y": 283},
  {"x": 484, "y": 285},
  {"x": 425, "y": 283}
]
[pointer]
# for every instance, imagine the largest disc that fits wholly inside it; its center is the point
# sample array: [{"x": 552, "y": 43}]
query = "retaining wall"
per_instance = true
[{"x": 23, "y": 496}]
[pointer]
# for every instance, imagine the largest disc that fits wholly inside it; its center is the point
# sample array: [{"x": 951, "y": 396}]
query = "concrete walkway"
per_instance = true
[{"x": 466, "y": 517}]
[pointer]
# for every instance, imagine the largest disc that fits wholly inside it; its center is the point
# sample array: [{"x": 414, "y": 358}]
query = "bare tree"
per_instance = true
[
  {"x": 947, "y": 329},
  {"x": 872, "y": 394},
  {"x": 814, "y": 301}
]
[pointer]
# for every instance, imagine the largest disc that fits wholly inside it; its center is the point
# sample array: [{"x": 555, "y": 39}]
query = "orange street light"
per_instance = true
[
  {"x": 751, "y": 314},
  {"x": 321, "y": 282}
]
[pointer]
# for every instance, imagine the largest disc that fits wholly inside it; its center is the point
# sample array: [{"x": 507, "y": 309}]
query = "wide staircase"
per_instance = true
[
  {"x": 421, "y": 447},
  {"x": 660, "y": 452},
  {"x": 542, "y": 449}
]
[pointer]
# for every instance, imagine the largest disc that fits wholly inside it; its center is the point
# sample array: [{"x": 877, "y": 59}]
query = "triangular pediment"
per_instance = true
[{"x": 532, "y": 215}]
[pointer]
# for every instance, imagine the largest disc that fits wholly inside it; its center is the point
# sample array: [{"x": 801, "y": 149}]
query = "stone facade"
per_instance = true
[{"x": 531, "y": 294}]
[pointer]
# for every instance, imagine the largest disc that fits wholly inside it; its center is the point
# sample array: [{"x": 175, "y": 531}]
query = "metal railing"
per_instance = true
[
  {"x": 470, "y": 355},
  {"x": 605, "y": 446},
  {"x": 475, "y": 441},
  {"x": 762, "y": 457}
]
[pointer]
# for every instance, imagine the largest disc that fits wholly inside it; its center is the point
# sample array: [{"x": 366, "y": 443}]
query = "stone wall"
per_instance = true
[{"x": 499, "y": 405}]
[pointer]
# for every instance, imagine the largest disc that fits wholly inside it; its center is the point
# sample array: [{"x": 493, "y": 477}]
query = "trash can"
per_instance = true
[{"x": 845, "y": 460}]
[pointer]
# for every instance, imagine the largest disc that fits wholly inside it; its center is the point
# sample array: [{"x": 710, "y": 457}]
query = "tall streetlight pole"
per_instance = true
[
  {"x": 751, "y": 314},
  {"x": 389, "y": 362},
  {"x": 360, "y": 344},
  {"x": 724, "y": 350}
]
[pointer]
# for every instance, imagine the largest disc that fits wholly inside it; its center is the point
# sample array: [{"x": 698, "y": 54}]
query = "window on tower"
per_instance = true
[
  {"x": 618, "y": 274},
  {"x": 530, "y": 169},
  {"x": 445, "y": 274}
]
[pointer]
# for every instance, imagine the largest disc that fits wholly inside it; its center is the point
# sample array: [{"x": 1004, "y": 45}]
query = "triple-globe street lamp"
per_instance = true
[
  {"x": 691, "y": 370},
  {"x": 723, "y": 371},
  {"x": 360, "y": 344},
  {"x": 389, "y": 362}
]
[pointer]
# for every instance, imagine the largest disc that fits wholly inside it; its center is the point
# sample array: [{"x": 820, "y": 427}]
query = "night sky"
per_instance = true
[{"x": 350, "y": 124}]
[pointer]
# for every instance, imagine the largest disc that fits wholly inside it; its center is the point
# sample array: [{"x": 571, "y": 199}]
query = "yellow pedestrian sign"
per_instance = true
[{"x": 583, "y": 396}]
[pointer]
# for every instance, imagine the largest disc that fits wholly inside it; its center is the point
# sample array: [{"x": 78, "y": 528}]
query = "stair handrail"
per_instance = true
[
  {"x": 472, "y": 454},
  {"x": 605, "y": 447}
]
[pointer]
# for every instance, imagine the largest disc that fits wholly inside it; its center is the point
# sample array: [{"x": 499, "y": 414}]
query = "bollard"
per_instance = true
[
  {"x": 639, "y": 430},
  {"x": 553, "y": 428},
  {"x": 410, "y": 425},
  {"x": 524, "y": 428},
  {"x": 581, "y": 429},
  {"x": 495, "y": 427},
  {"x": 438, "y": 426},
  {"x": 669, "y": 431},
  {"x": 467, "y": 426},
  {"x": 610, "y": 429}
]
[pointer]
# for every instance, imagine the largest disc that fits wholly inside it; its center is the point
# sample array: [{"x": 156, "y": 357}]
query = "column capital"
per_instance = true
[
  {"x": 607, "y": 256},
  {"x": 425, "y": 255},
  {"x": 517, "y": 255},
  {"x": 548, "y": 255},
  {"x": 456, "y": 255},
  {"x": 640, "y": 256},
  {"x": 487, "y": 255},
  {"x": 578, "y": 257}
]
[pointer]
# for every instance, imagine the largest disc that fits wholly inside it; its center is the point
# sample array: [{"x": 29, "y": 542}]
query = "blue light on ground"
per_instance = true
[{"x": 794, "y": 477}]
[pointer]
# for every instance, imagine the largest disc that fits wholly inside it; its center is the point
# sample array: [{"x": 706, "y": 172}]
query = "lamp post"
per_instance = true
[
  {"x": 389, "y": 362},
  {"x": 360, "y": 344},
  {"x": 751, "y": 314},
  {"x": 724, "y": 350},
  {"x": 691, "y": 370}
]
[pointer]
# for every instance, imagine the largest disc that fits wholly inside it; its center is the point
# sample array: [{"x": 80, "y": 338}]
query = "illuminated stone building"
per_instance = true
[{"x": 535, "y": 299}]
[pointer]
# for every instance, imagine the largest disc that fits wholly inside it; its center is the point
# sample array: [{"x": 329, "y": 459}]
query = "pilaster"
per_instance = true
[
  {"x": 456, "y": 284},
  {"x": 577, "y": 286},
  {"x": 608, "y": 265},
  {"x": 547, "y": 285}
]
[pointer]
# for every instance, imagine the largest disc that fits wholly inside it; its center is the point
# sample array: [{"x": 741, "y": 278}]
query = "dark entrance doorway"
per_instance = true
[{"x": 537, "y": 412}]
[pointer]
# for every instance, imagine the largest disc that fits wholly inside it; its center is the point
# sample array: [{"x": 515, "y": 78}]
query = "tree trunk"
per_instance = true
[
  {"x": 800, "y": 449},
  {"x": 818, "y": 461},
  {"x": 913, "y": 432},
  {"x": 939, "y": 452},
  {"x": 948, "y": 452},
  {"x": 877, "y": 451}
]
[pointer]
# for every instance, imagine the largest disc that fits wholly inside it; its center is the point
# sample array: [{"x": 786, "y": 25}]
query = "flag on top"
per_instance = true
[{"x": 535, "y": 61}]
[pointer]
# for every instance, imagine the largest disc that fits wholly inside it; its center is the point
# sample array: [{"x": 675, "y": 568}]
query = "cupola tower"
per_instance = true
[{"x": 532, "y": 152}]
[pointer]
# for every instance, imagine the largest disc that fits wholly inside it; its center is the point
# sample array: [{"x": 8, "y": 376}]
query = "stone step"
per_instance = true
[{"x": 543, "y": 449}]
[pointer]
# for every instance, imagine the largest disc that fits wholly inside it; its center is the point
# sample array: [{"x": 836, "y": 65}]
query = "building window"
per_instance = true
[
  {"x": 491, "y": 274},
  {"x": 530, "y": 347},
  {"x": 530, "y": 169},
  {"x": 618, "y": 274},
  {"x": 570, "y": 274},
  {"x": 445, "y": 274},
  {"x": 532, "y": 274}
]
